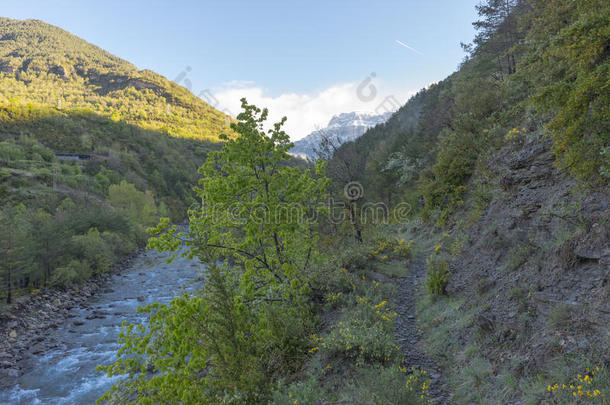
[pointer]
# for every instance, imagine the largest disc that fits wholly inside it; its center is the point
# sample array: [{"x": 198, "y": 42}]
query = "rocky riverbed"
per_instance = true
[
  {"x": 51, "y": 342},
  {"x": 25, "y": 324}
]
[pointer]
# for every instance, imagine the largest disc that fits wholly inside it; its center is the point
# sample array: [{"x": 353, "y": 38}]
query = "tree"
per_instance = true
[
  {"x": 344, "y": 167},
  {"x": 254, "y": 208},
  {"x": 12, "y": 253},
  {"x": 254, "y": 227},
  {"x": 139, "y": 206},
  {"x": 46, "y": 242},
  {"x": 497, "y": 32}
]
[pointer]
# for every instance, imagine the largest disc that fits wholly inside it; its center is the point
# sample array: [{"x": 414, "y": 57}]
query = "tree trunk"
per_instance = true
[
  {"x": 8, "y": 286},
  {"x": 354, "y": 220}
]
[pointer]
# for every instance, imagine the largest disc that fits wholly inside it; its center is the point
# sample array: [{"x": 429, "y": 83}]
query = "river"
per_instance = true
[{"x": 66, "y": 374}]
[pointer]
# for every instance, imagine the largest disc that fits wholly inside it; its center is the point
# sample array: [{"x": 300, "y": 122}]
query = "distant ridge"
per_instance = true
[{"x": 46, "y": 65}]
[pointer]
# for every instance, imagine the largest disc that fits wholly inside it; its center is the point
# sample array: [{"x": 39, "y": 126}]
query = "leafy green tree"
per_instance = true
[
  {"x": 255, "y": 210},
  {"x": 250, "y": 324},
  {"x": 92, "y": 249},
  {"x": 138, "y": 205}
]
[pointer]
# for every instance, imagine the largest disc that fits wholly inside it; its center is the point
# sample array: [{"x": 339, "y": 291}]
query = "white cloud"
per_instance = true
[{"x": 308, "y": 112}]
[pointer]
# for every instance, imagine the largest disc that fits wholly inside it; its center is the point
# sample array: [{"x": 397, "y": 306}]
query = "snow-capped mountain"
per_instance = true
[{"x": 341, "y": 128}]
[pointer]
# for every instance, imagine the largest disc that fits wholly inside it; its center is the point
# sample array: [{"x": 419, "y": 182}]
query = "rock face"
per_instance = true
[
  {"x": 537, "y": 260},
  {"x": 341, "y": 128}
]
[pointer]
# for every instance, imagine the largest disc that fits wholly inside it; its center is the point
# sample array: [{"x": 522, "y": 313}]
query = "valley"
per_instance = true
[{"x": 455, "y": 251}]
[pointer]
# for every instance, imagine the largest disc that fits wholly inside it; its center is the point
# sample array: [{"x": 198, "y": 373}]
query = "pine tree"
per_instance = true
[{"x": 12, "y": 252}]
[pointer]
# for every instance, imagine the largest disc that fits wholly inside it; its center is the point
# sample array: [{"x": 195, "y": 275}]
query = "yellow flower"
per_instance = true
[{"x": 381, "y": 304}]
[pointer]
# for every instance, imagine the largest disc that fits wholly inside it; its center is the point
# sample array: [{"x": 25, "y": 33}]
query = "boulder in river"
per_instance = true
[{"x": 12, "y": 372}]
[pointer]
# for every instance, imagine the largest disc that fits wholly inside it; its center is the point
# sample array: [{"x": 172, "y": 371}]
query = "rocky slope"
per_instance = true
[
  {"x": 530, "y": 274},
  {"x": 341, "y": 128}
]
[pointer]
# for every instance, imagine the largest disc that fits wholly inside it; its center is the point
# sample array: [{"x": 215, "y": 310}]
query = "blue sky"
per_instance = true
[{"x": 303, "y": 59}]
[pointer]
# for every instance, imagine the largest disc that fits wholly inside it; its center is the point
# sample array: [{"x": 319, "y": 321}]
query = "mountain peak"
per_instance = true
[
  {"x": 357, "y": 119},
  {"x": 341, "y": 128}
]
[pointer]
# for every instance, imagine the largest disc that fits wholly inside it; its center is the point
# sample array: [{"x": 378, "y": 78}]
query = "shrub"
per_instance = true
[
  {"x": 353, "y": 257},
  {"x": 10, "y": 152},
  {"x": 118, "y": 244},
  {"x": 74, "y": 272},
  {"x": 92, "y": 248},
  {"x": 4, "y": 174},
  {"x": 438, "y": 272},
  {"x": 365, "y": 334},
  {"x": 591, "y": 385},
  {"x": 378, "y": 385},
  {"x": 306, "y": 392},
  {"x": 391, "y": 247},
  {"x": 44, "y": 175}
]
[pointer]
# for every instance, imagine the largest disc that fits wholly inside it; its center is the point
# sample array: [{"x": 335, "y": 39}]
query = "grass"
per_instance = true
[
  {"x": 442, "y": 318},
  {"x": 392, "y": 269},
  {"x": 517, "y": 257},
  {"x": 471, "y": 384},
  {"x": 474, "y": 376},
  {"x": 559, "y": 316}
]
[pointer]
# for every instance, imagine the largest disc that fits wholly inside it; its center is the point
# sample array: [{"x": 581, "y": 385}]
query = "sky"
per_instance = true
[{"x": 306, "y": 60}]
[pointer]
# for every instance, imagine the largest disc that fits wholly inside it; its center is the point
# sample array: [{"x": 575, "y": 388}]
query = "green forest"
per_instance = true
[{"x": 504, "y": 168}]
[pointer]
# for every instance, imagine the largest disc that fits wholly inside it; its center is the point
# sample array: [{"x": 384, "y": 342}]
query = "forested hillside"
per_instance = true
[
  {"x": 536, "y": 69},
  {"x": 44, "y": 65},
  {"x": 91, "y": 152}
]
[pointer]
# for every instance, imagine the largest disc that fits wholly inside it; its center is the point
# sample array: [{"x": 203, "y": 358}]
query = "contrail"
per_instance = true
[{"x": 409, "y": 48}]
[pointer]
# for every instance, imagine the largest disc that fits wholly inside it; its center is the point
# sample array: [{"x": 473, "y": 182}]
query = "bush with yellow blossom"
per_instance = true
[
  {"x": 391, "y": 248},
  {"x": 584, "y": 388},
  {"x": 365, "y": 334}
]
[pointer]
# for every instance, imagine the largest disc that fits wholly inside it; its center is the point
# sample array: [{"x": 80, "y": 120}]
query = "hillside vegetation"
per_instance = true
[
  {"x": 537, "y": 69},
  {"x": 44, "y": 65},
  {"x": 483, "y": 278},
  {"x": 140, "y": 139}
]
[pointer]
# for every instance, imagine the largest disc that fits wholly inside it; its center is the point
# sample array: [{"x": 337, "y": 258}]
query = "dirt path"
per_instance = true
[{"x": 409, "y": 335}]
